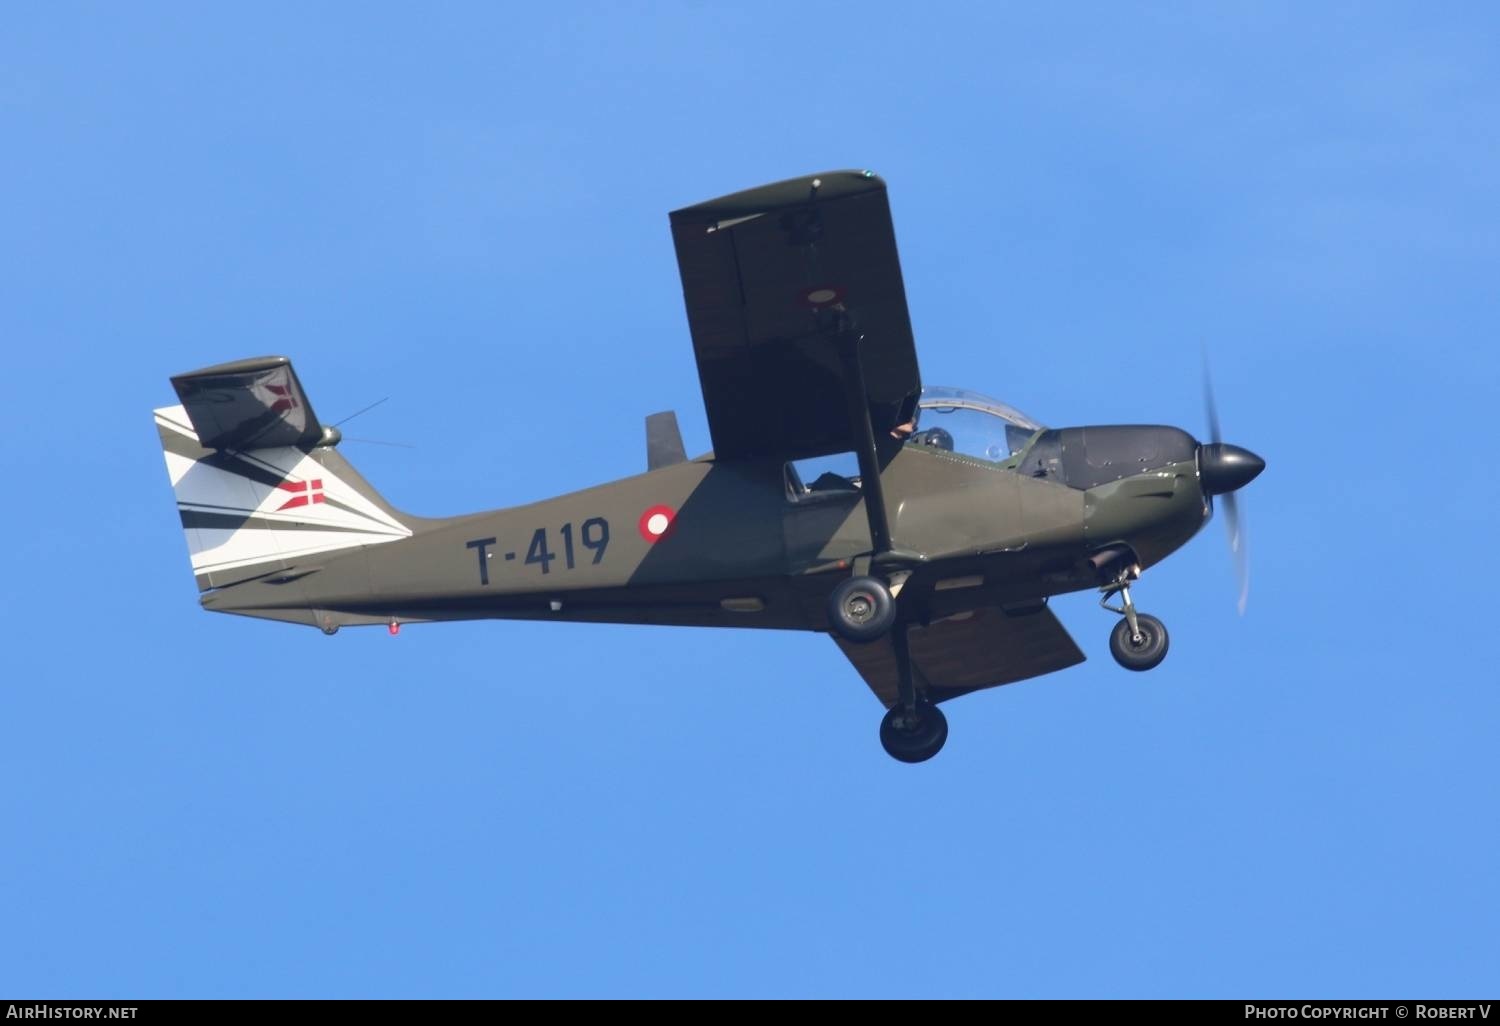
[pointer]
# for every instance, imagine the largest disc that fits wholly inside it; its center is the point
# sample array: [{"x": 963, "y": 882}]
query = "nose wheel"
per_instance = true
[
  {"x": 1140, "y": 649},
  {"x": 1139, "y": 641}
]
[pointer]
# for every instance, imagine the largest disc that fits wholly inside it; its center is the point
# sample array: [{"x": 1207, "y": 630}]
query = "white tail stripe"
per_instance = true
[
  {"x": 231, "y": 550},
  {"x": 276, "y": 485}
]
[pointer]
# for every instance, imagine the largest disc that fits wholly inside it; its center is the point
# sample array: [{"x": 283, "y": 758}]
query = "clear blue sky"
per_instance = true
[{"x": 465, "y": 208}]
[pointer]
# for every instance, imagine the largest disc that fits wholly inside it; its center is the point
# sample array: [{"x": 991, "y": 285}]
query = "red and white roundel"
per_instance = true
[{"x": 657, "y": 522}]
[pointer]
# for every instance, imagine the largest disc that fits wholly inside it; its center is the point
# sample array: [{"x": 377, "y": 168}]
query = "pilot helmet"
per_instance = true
[{"x": 937, "y": 438}]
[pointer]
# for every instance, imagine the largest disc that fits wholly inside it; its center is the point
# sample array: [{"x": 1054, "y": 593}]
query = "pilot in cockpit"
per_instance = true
[{"x": 936, "y": 437}]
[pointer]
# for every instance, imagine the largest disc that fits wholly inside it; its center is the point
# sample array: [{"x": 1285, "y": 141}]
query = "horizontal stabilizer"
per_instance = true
[{"x": 250, "y": 404}]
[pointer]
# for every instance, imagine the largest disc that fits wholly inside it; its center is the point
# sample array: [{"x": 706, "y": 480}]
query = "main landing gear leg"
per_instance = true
[
  {"x": 1139, "y": 640},
  {"x": 863, "y": 608},
  {"x": 914, "y": 729}
]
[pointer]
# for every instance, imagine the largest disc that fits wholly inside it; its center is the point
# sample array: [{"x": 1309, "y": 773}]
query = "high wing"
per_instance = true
[
  {"x": 769, "y": 276},
  {"x": 959, "y": 655}
]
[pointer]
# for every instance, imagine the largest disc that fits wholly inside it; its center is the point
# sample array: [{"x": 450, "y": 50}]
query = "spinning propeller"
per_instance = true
[{"x": 1222, "y": 469}]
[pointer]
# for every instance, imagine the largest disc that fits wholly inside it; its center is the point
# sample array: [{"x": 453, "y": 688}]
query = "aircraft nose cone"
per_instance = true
[{"x": 1226, "y": 468}]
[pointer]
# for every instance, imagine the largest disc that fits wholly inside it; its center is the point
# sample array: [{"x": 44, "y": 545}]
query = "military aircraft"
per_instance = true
[{"x": 924, "y": 529}]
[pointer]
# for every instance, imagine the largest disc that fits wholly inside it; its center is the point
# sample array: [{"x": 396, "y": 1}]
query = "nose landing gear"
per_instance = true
[{"x": 1139, "y": 641}]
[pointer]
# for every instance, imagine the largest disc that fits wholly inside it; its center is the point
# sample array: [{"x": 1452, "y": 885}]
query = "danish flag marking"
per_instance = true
[{"x": 308, "y": 491}]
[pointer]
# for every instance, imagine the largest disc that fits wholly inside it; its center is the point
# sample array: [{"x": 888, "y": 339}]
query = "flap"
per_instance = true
[{"x": 982, "y": 649}]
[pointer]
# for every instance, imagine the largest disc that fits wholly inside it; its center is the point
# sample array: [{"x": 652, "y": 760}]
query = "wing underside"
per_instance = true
[{"x": 984, "y": 649}]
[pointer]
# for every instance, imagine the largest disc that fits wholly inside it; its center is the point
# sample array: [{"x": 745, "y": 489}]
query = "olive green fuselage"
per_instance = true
[{"x": 702, "y": 543}]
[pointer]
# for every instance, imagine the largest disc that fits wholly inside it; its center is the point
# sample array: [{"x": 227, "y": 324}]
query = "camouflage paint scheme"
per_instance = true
[{"x": 984, "y": 543}]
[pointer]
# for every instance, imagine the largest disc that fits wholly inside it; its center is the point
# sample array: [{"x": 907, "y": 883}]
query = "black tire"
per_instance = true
[
  {"x": 914, "y": 738},
  {"x": 861, "y": 609},
  {"x": 1139, "y": 655}
]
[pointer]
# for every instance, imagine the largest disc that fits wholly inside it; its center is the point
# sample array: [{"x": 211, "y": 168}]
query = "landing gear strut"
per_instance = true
[
  {"x": 1139, "y": 640},
  {"x": 863, "y": 608},
  {"x": 914, "y": 729}
]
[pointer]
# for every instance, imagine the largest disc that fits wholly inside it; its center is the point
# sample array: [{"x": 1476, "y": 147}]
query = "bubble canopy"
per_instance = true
[{"x": 975, "y": 425}]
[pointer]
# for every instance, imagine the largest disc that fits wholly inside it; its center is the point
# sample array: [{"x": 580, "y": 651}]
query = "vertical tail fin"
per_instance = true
[{"x": 249, "y": 512}]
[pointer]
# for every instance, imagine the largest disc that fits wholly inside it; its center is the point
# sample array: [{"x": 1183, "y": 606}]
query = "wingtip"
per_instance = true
[{"x": 788, "y": 192}]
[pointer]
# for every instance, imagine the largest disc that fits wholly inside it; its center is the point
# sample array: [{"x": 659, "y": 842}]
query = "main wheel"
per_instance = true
[
  {"x": 914, "y": 737},
  {"x": 1142, "y": 654},
  {"x": 861, "y": 609}
]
